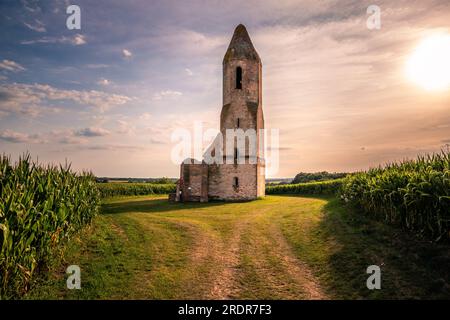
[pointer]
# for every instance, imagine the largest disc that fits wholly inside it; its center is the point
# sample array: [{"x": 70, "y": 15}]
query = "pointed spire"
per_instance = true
[{"x": 241, "y": 46}]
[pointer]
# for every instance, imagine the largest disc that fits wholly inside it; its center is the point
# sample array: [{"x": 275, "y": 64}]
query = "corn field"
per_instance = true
[
  {"x": 413, "y": 194},
  {"x": 40, "y": 207},
  {"x": 329, "y": 187},
  {"x": 134, "y": 189}
]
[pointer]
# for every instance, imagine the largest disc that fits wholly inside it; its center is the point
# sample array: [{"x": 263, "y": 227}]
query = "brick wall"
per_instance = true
[{"x": 221, "y": 184}]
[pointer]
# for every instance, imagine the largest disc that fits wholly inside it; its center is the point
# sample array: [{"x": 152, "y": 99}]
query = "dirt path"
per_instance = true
[
  {"x": 297, "y": 270},
  {"x": 290, "y": 278},
  {"x": 225, "y": 285}
]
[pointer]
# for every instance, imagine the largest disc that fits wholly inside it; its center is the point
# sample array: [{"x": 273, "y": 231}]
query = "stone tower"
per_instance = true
[{"x": 242, "y": 111}]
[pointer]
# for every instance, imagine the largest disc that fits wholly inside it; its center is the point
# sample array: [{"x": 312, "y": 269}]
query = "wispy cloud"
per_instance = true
[
  {"x": 103, "y": 82},
  {"x": 30, "y": 6},
  {"x": 18, "y": 137},
  {"x": 35, "y": 98},
  {"x": 92, "y": 132},
  {"x": 11, "y": 66},
  {"x": 76, "y": 40},
  {"x": 166, "y": 94},
  {"x": 97, "y": 66},
  {"x": 112, "y": 147},
  {"x": 174, "y": 40},
  {"x": 125, "y": 127},
  {"x": 70, "y": 139},
  {"x": 38, "y": 26}
]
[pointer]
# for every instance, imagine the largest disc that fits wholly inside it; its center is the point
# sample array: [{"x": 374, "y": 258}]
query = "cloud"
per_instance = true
[
  {"x": 145, "y": 116},
  {"x": 38, "y": 27},
  {"x": 331, "y": 85},
  {"x": 71, "y": 140},
  {"x": 97, "y": 66},
  {"x": 68, "y": 136},
  {"x": 166, "y": 94},
  {"x": 92, "y": 132},
  {"x": 33, "y": 99},
  {"x": 154, "y": 140},
  {"x": 11, "y": 66},
  {"x": 112, "y": 147},
  {"x": 126, "y": 53},
  {"x": 173, "y": 40},
  {"x": 18, "y": 137},
  {"x": 76, "y": 40},
  {"x": 124, "y": 127},
  {"x": 30, "y": 6},
  {"x": 14, "y": 99},
  {"x": 103, "y": 82}
]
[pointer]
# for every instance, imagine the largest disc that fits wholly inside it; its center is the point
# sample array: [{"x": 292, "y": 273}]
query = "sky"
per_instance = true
[{"x": 108, "y": 97}]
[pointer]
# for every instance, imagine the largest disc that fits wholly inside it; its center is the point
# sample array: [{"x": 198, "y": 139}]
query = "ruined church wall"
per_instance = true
[
  {"x": 221, "y": 184},
  {"x": 195, "y": 176}
]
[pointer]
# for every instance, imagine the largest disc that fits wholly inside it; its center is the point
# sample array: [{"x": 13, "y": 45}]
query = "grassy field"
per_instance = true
[{"x": 280, "y": 247}]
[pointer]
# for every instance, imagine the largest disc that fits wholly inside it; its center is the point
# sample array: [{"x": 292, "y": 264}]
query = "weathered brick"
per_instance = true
[{"x": 200, "y": 182}]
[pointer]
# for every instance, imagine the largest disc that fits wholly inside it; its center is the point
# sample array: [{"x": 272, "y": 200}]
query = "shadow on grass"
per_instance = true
[
  {"x": 154, "y": 206},
  {"x": 410, "y": 267}
]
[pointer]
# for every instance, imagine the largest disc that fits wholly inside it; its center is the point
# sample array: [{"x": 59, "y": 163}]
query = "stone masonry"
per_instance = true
[{"x": 242, "y": 109}]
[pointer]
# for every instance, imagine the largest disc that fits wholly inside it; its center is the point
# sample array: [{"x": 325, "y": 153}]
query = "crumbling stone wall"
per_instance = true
[
  {"x": 200, "y": 182},
  {"x": 221, "y": 182},
  {"x": 194, "y": 184}
]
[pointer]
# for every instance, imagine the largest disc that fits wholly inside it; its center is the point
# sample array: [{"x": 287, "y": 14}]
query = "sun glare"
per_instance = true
[{"x": 429, "y": 64}]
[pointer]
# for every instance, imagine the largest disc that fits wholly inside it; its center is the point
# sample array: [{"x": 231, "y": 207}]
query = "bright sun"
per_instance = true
[{"x": 429, "y": 64}]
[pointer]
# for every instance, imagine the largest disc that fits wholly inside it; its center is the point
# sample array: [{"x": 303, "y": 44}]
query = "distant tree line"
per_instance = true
[
  {"x": 163, "y": 180},
  {"x": 318, "y": 176}
]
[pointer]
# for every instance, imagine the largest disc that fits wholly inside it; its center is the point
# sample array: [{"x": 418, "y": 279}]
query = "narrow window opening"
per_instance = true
[
  {"x": 236, "y": 182},
  {"x": 235, "y": 154},
  {"x": 238, "y": 78},
  {"x": 238, "y": 124}
]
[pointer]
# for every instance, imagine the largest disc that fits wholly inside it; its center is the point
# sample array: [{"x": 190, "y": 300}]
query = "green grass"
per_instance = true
[{"x": 279, "y": 247}]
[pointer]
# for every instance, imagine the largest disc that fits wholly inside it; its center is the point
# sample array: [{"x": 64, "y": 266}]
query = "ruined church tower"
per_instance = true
[{"x": 241, "y": 110}]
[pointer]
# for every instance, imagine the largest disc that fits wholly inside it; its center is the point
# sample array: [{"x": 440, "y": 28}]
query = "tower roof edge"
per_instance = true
[{"x": 241, "y": 46}]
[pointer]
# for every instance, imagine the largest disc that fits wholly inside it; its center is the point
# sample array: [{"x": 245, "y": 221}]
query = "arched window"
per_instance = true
[{"x": 238, "y": 78}]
